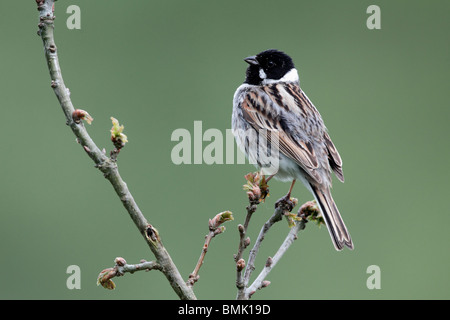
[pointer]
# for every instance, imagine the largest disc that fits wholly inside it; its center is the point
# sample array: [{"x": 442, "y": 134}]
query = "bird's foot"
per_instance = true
[{"x": 285, "y": 203}]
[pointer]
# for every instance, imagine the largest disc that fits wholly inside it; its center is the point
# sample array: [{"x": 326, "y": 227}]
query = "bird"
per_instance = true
[{"x": 272, "y": 116}]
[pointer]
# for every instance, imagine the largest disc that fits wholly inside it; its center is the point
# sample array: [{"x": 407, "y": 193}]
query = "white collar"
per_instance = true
[{"x": 291, "y": 76}]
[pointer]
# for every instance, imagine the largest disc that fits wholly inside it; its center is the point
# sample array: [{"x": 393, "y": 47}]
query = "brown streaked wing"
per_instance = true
[
  {"x": 299, "y": 151},
  {"x": 304, "y": 103},
  {"x": 334, "y": 158}
]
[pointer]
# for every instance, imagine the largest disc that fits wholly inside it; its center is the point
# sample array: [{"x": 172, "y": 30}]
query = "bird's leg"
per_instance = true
[
  {"x": 290, "y": 190},
  {"x": 268, "y": 179},
  {"x": 286, "y": 200}
]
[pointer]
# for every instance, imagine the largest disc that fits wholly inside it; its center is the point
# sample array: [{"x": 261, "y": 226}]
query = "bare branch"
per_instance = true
[
  {"x": 143, "y": 266},
  {"x": 121, "y": 267},
  {"x": 283, "y": 207},
  {"x": 105, "y": 164},
  {"x": 260, "y": 281},
  {"x": 308, "y": 211},
  {"x": 277, "y": 216}
]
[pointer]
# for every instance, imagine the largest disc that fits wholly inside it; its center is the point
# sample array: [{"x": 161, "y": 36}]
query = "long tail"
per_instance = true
[{"x": 333, "y": 220}]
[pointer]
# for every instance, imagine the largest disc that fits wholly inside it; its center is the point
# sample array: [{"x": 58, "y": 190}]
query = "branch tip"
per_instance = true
[
  {"x": 119, "y": 261},
  {"x": 117, "y": 137},
  {"x": 219, "y": 219},
  {"x": 104, "y": 278},
  {"x": 309, "y": 211},
  {"x": 256, "y": 187}
]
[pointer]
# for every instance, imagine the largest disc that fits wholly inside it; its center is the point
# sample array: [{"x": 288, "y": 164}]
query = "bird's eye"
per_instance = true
[{"x": 270, "y": 63}]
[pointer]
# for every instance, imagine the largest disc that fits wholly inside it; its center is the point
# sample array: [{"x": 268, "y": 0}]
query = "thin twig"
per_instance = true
[
  {"x": 215, "y": 228},
  {"x": 257, "y": 190},
  {"x": 143, "y": 266},
  {"x": 102, "y": 162},
  {"x": 277, "y": 216},
  {"x": 120, "y": 268},
  {"x": 193, "y": 277},
  {"x": 243, "y": 243},
  {"x": 271, "y": 262}
]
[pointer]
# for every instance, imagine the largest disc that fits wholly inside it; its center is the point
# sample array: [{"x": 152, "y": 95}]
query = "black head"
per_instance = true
[{"x": 268, "y": 65}]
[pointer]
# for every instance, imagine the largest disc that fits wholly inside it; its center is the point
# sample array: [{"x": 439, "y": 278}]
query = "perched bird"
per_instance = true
[{"x": 270, "y": 109}]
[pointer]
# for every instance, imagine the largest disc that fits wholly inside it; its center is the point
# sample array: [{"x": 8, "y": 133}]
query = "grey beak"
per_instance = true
[{"x": 252, "y": 60}]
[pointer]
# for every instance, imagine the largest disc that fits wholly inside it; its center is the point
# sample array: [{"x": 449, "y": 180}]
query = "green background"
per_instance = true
[{"x": 160, "y": 66}]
